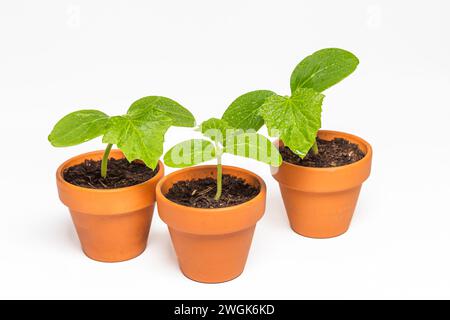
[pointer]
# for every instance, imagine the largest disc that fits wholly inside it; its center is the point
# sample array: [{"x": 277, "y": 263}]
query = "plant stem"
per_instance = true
[
  {"x": 219, "y": 174},
  {"x": 105, "y": 160},
  {"x": 315, "y": 148}
]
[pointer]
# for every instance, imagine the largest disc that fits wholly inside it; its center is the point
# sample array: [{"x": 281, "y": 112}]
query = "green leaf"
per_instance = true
[
  {"x": 139, "y": 134},
  {"x": 243, "y": 113},
  {"x": 189, "y": 153},
  {"x": 78, "y": 127},
  {"x": 181, "y": 117},
  {"x": 323, "y": 69},
  {"x": 255, "y": 146},
  {"x": 245, "y": 144},
  {"x": 294, "y": 119},
  {"x": 216, "y": 130}
]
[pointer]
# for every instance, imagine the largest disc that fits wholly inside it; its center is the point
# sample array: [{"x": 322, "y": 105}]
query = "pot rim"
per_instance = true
[
  {"x": 65, "y": 164},
  {"x": 161, "y": 196},
  {"x": 367, "y": 156}
]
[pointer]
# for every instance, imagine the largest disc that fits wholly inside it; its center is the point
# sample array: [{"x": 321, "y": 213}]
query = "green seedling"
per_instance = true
[
  {"x": 222, "y": 138},
  {"x": 139, "y": 133},
  {"x": 295, "y": 119}
]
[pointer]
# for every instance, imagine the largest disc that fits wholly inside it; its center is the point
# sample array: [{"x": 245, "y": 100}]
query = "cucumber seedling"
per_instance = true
[
  {"x": 139, "y": 134},
  {"x": 222, "y": 138},
  {"x": 295, "y": 119}
]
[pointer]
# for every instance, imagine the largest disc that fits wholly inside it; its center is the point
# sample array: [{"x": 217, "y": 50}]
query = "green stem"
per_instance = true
[
  {"x": 315, "y": 148},
  {"x": 219, "y": 175},
  {"x": 105, "y": 160}
]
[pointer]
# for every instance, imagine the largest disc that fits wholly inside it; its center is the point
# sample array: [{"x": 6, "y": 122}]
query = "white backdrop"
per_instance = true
[{"x": 59, "y": 56}]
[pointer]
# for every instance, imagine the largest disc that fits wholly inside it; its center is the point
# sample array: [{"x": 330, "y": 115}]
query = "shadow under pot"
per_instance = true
[
  {"x": 211, "y": 245},
  {"x": 112, "y": 224},
  {"x": 320, "y": 202}
]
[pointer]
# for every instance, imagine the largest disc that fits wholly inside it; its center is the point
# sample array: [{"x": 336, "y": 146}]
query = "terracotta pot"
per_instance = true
[
  {"x": 212, "y": 245},
  {"x": 320, "y": 201},
  {"x": 112, "y": 224}
]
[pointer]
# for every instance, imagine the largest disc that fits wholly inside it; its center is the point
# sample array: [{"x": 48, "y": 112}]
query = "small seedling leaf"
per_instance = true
[{"x": 216, "y": 129}]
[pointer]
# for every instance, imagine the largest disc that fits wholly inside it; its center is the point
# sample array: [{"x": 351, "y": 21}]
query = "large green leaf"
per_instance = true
[
  {"x": 78, "y": 127},
  {"x": 243, "y": 113},
  {"x": 216, "y": 129},
  {"x": 181, "y": 117},
  {"x": 189, "y": 153},
  {"x": 255, "y": 146},
  {"x": 139, "y": 134},
  {"x": 323, "y": 69},
  {"x": 294, "y": 119}
]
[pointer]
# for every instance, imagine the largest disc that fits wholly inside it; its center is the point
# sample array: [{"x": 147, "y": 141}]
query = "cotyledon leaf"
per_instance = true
[
  {"x": 323, "y": 69},
  {"x": 78, "y": 127},
  {"x": 255, "y": 146},
  {"x": 189, "y": 153},
  {"x": 243, "y": 113}
]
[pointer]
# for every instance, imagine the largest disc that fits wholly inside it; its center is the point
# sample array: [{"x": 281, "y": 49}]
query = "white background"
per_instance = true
[{"x": 60, "y": 56}]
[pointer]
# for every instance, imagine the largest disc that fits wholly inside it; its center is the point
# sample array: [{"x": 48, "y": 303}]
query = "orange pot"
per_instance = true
[
  {"x": 212, "y": 245},
  {"x": 112, "y": 224},
  {"x": 320, "y": 201}
]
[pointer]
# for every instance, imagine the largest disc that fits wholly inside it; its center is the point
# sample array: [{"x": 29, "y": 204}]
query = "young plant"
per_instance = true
[
  {"x": 295, "y": 119},
  {"x": 222, "y": 138},
  {"x": 139, "y": 133}
]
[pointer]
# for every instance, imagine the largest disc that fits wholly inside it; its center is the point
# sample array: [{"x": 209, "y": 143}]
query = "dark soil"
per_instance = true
[
  {"x": 199, "y": 193},
  {"x": 121, "y": 173},
  {"x": 335, "y": 153}
]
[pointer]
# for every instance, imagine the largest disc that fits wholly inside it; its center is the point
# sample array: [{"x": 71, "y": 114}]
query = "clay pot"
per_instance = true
[
  {"x": 212, "y": 245},
  {"x": 112, "y": 224},
  {"x": 320, "y": 201}
]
